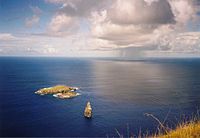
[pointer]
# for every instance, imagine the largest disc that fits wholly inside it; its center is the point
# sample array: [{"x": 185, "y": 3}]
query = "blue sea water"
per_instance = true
[{"x": 120, "y": 92}]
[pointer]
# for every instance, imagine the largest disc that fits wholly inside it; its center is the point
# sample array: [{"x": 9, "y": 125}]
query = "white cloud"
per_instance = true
[
  {"x": 36, "y": 10},
  {"x": 79, "y": 8},
  {"x": 34, "y": 20},
  {"x": 134, "y": 27},
  {"x": 56, "y": 1},
  {"x": 122, "y": 35},
  {"x": 59, "y": 23},
  {"x": 184, "y": 10},
  {"x": 150, "y": 1},
  {"x": 140, "y": 12},
  {"x": 49, "y": 50},
  {"x": 153, "y": 25},
  {"x": 186, "y": 42},
  {"x": 139, "y": 25},
  {"x": 62, "y": 25},
  {"x": 7, "y": 37}
]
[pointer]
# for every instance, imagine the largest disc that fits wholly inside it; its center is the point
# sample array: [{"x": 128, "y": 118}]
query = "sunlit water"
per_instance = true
[{"x": 121, "y": 92}]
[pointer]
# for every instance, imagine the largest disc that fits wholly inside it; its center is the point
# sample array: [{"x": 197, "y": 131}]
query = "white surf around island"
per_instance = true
[{"x": 63, "y": 96}]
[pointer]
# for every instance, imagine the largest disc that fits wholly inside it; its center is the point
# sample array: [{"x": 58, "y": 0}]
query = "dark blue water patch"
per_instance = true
[{"x": 121, "y": 92}]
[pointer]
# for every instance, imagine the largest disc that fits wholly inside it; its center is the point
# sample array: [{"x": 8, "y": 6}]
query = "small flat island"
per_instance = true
[{"x": 59, "y": 91}]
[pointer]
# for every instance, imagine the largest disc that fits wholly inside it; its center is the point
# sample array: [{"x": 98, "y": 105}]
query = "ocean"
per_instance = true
[{"x": 120, "y": 92}]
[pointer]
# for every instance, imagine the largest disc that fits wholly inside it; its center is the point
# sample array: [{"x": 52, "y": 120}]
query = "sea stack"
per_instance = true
[{"x": 88, "y": 110}]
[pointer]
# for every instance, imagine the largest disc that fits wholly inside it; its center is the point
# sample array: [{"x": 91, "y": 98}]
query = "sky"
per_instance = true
[{"x": 100, "y": 28}]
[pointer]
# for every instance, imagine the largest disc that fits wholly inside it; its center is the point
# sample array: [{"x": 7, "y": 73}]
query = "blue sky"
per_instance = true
[
  {"x": 88, "y": 28},
  {"x": 14, "y": 12}
]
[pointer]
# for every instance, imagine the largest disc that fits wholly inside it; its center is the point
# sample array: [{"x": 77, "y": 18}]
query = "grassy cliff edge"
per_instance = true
[{"x": 184, "y": 130}]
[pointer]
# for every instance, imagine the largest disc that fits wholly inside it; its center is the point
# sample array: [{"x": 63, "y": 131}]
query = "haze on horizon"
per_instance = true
[{"x": 100, "y": 28}]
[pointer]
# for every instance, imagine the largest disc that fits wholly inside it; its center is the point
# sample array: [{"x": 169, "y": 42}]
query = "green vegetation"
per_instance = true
[
  {"x": 54, "y": 90},
  {"x": 59, "y": 91}
]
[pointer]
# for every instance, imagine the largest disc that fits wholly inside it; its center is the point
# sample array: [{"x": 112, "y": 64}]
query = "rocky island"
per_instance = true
[
  {"x": 59, "y": 91},
  {"x": 88, "y": 110}
]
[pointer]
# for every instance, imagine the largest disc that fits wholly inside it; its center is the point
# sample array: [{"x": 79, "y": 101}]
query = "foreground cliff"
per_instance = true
[{"x": 184, "y": 130}]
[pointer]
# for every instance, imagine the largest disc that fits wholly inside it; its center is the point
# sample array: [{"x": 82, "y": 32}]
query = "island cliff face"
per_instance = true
[{"x": 59, "y": 91}]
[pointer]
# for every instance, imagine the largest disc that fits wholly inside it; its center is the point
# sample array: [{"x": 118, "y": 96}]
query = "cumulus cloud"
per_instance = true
[
  {"x": 62, "y": 25},
  {"x": 184, "y": 10},
  {"x": 56, "y": 1},
  {"x": 33, "y": 45},
  {"x": 184, "y": 42},
  {"x": 7, "y": 37},
  {"x": 119, "y": 34},
  {"x": 79, "y": 8},
  {"x": 128, "y": 27},
  {"x": 36, "y": 10},
  {"x": 140, "y": 12},
  {"x": 147, "y": 25},
  {"x": 34, "y": 20}
]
